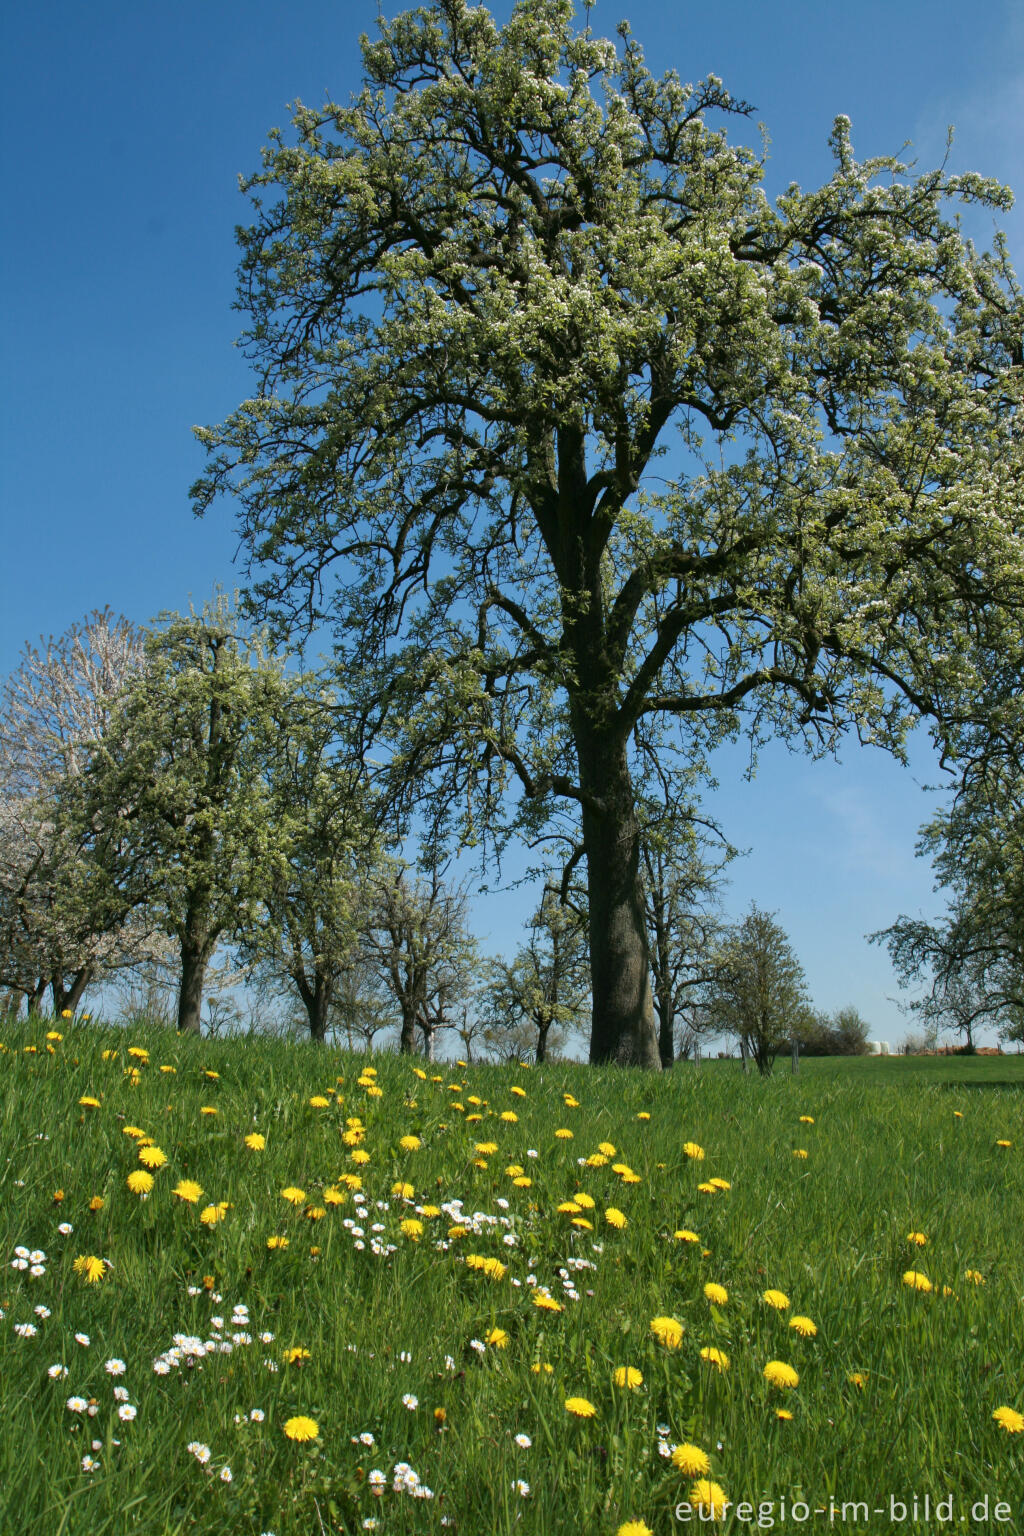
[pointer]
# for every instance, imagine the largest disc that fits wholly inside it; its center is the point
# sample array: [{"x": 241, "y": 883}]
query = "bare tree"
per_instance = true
[
  {"x": 419, "y": 942},
  {"x": 544, "y": 991}
]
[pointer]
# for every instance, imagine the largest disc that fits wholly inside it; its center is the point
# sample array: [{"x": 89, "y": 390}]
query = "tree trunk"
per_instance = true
[
  {"x": 69, "y": 997},
  {"x": 743, "y": 1053},
  {"x": 407, "y": 1044},
  {"x": 543, "y": 1025},
  {"x": 318, "y": 1007},
  {"x": 796, "y": 1055},
  {"x": 623, "y": 1028},
  {"x": 195, "y": 956}
]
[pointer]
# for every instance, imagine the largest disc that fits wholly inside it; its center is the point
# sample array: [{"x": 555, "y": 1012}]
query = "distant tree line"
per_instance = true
[{"x": 174, "y": 794}]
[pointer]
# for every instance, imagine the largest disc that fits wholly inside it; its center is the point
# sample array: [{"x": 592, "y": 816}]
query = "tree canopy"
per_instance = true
[{"x": 484, "y": 300}]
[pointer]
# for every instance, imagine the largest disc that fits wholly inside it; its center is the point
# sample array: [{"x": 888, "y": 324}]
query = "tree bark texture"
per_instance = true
[{"x": 624, "y": 1029}]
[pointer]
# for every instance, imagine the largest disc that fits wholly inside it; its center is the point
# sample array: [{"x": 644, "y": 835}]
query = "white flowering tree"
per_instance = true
[
  {"x": 183, "y": 761},
  {"x": 485, "y": 298},
  {"x": 63, "y": 923},
  {"x": 306, "y": 930}
]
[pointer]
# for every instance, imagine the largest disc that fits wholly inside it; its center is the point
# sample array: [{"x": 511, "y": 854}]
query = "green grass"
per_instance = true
[{"x": 886, "y": 1155}]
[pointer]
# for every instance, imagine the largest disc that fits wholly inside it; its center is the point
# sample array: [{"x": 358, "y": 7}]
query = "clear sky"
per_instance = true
[{"x": 124, "y": 129}]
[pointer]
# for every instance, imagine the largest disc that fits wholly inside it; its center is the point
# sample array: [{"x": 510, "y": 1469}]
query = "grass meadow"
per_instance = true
[{"x": 420, "y": 1298}]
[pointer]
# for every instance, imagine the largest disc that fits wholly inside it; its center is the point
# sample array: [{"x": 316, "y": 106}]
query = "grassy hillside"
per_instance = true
[{"x": 396, "y": 1268}]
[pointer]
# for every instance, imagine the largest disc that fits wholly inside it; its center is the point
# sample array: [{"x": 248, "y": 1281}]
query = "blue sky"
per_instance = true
[{"x": 124, "y": 129}]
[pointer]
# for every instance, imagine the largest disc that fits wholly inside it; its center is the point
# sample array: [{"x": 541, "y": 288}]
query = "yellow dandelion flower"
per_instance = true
[
  {"x": 1000, "y": 1143},
  {"x": 614, "y": 1217},
  {"x": 139, "y": 1182},
  {"x": 519, "y": 1092},
  {"x": 295, "y": 1355},
  {"x": 596, "y": 1160},
  {"x": 585, "y": 1202},
  {"x": 693, "y": 1150},
  {"x": 319, "y": 1101},
  {"x": 684, "y": 1235},
  {"x": 627, "y": 1376},
  {"x": 777, "y": 1299},
  {"x": 569, "y": 1208},
  {"x": 716, "y": 1357},
  {"x": 570, "y": 1102},
  {"x": 709, "y": 1499},
  {"x": 779, "y": 1374},
  {"x": 634, "y": 1528},
  {"x": 294, "y": 1195},
  {"x": 545, "y": 1302},
  {"x": 1009, "y": 1419},
  {"x": 804, "y": 1327},
  {"x": 87, "y": 1101},
  {"x": 301, "y": 1428},
  {"x": 580, "y": 1407},
  {"x": 523, "y": 1182},
  {"x": 152, "y": 1157},
  {"x": 606, "y": 1149},
  {"x": 716, "y": 1294},
  {"x": 541, "y": 1366},
  {"x": 806, "y": 1119},
  {"x": 690, "y": 1460},
  {"x": 668, "y": 1331},
  {"x": 707, "y": 1189},
  {"x": 359, "y": 1156},
  {"x": 277, "y": 1242},
  {"x": 96, "y": 1203},
  {"x": 918, "y": 1238},
  {"x": 135, "y": 1131},
  {"x": 508, "y": 1114},
  {"x": 211, "y": 1214},
  {"x": 497, "y": 1338},
  {"x": 89, "y": 1267},
  {"x": 583, "y": 1223},
  {"x": 486, "y": 1148},
  {"x": 643, "y": 1114},
  {"x": 410, "y": 1143},
  {"x": 563, "y": 1134},
  {"x": 255, "y": 1141},
  {"x": 188, "y": 1190},
  {"x": 975, "y": 1276},
  {"x": 783, "y": 1414},
  {"x": 207, "y": 1109},
  {"x": 916, "y": 1281},
  {"x": 412, "y": 1228},
  {"x": 857, "y": 1379},
  {"x": 800, "y": 1152}
]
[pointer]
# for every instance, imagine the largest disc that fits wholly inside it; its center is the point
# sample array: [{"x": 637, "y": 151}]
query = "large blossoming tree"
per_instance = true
[{"x": 484, "y": 298}]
